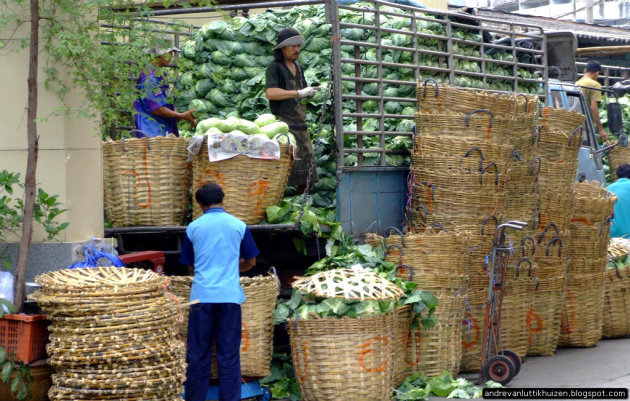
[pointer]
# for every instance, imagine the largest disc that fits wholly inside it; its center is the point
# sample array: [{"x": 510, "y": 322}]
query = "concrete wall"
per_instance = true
[{"x": 70, "y": 156}]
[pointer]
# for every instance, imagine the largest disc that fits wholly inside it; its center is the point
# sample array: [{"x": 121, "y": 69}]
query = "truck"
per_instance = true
[{"x": 380, "y": 52}]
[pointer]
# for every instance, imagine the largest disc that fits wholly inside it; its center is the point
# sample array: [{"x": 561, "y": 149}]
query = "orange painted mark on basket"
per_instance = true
[
  {"x": 244, "y": 337},
  {"x": 401, "y": 272},
  {"x": 531, "y": 315},
  {"x": 300, "y": 372},
  {"x": 258, "y": 189},
  {"x": 471, "y": 325},
  {"x": 203, "y": 179},
  {"x": 138, "y": 183},
  {"x": 407, "y": 341},
  {"x": 365, "y": 350},
  {"x": 581, "y": 220},
  {"x": 568, "y": 319},
  {"x": 488, "y": 129},
  {"x": 545, "y": 113}
]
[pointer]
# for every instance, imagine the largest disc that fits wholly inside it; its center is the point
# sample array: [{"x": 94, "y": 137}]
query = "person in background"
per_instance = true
[
  {"x": 217, "y": 246},
  {"x": 155, "y": 116},
  {"x": 285, "y": 88},
  {"x": 593, "y": 96},
  {"x": 621, "y": 188}
]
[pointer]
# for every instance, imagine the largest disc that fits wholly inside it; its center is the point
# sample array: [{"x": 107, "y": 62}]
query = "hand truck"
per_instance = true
[{"x": 498, "y": 364}]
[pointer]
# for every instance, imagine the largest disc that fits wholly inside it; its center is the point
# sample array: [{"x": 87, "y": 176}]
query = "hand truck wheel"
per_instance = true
[
  {"x": 516, "y": 361},
  {"x": 499, "y": 368},
  {"x": 266, "y": 394}
]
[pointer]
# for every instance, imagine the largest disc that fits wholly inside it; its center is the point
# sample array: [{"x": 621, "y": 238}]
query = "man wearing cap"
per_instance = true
[
  {"x": 285, "y": 88},
  {"x": 593, "y": 96},
  {"x": 155, "y": 116}
]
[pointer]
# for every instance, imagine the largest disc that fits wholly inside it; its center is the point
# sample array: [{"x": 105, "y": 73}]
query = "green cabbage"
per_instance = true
[
  {"x": 273, "y": 129},
  {"x": 206, "y": 124},
  {"x": 265, "y": 119},
  {"x": 203, "y": 86},
  {"x": 218, "y": 98},
  {"x": 248, "y": 127},
  {"x": 284, "y": 138}
]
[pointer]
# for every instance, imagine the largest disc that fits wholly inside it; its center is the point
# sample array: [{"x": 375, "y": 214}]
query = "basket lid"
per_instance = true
[
  {"x": 102, "y": 278},
  {"x": 355, "y": 284}
]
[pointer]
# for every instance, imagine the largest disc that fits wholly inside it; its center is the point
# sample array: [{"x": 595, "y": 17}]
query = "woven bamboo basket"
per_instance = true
[
  {"x": 440, "y": 153},
  {"x": 479, "y": 125},
  {"x": 561, "y": 119},
  {"x": 250, "y": 185},
  {"x": 439, "y": 348},
  {"x": 517, "y": 301},
  {"x": 344, "y": 359},
  {"x": 616, "y": 157},
  {"x": 113, "y": 334},
  {"x": 592, "y": 204},
  {"x": 543, "y": 319},
  {"x": 441, "y": 98},
  {"x": 257, "y": 326},
  {"x": 556, "y": 205},
  {"x": 146, "y": 181},
  {"x": 402, "y": 320},
  {"x": 432, "y": 251},
  {"x": 257, "y": 321},
  {"x": 463, "y": 179},
  {"x": 581, "y": 324},
  {"x": 473, "y": 322},
  {"x": 616, "y": 309}
]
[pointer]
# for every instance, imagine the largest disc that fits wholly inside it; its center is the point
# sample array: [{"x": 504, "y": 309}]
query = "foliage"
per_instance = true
[
  {"x": 281, "y": 380},
  {"x": 71, "y": 36},
  {"x": 417, "y": 387},
  {"x": 47, "y": 209},
  {"x": 17, "y": 374},
  {"x": 603, "y": 117}
]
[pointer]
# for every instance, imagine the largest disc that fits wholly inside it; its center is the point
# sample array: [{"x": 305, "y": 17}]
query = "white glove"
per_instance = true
[{"x": 307, "y": 92}]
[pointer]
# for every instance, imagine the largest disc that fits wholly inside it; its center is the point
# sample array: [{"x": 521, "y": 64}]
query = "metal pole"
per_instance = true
[
  {"x": 332, "y": 17},
  {"x": 589, "y": 11},
  {"x": 249, "y": 6}
]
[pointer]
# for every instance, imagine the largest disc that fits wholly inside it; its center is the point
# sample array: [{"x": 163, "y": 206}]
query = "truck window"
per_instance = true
[{"x": 575, "y": 104}]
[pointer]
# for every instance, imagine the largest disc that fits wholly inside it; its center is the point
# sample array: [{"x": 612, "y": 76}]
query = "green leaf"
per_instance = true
[
  {"x": 3, "y": 355},
  {"x": 7, "y": 370},
  {"x": 15, "y": 384}
]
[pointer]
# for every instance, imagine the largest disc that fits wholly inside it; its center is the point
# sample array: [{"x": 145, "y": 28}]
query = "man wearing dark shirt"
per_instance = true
[
  {"x": 285, "y": 87},
  {"x": 217, "y": 246}
]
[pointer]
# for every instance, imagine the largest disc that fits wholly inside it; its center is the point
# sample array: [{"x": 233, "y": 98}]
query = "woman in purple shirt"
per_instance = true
[{"x": 155, "y": 116}]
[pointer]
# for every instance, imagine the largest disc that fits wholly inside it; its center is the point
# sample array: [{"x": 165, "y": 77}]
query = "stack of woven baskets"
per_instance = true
[
  {"x": 616, "y": 310},
  {"x": 436, "y": 259},
  {"x": 560, "y": 140},
  {"x": 468, "y": 143},
  {"x": 113, "y": 335},
  {"x": 350, "y": 359},
  {"x": 590, "y": 233},
  {"x": 257, "y": 321}
]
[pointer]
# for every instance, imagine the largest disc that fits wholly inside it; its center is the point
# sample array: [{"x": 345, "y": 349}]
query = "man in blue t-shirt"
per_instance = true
[
  {"x": 217, "y": 246},
  {"x": 621, "y": 188},
  {"x": 155, "y": 116}
]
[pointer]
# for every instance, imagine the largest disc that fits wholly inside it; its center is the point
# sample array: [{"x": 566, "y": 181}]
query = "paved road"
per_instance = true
[{"x": 606, "y": 365}]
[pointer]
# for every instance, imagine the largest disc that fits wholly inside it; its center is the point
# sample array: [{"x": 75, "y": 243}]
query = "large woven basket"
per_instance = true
[
  {"x": 581, "y": 324},
  {"x": 481, "y": 125},
  {"x": 343, "y": 359},
  {"x": 257, "y": 321},
  {"x": 473, "y": 322},
  {"x": 561, "y": 119},
  {"x": 616, "y": 310},
  {"x": 543, "y": 319},
  {"x": 146, "y": 181},
  {"x": 517, "y": 301},
  {"x": 439, "y": 348},
  {"x": 441, "y": 98},
  {"x": 250, "y": 185},
  {"x": 616, "y": 157}
]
